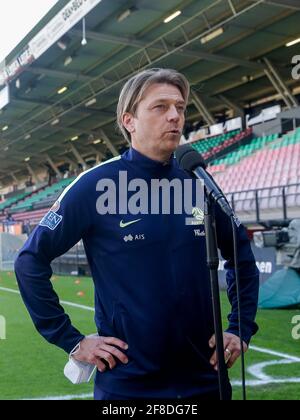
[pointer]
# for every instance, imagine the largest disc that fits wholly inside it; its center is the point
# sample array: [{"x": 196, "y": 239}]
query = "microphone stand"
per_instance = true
[{"x": 213, "y": 264}]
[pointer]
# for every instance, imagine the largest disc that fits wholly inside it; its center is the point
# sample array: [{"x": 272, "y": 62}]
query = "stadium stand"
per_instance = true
[
  {"x": 28, "y": 216},
  {"x": 73, "y": 262},
  {"x": 246, "y": 150},
  {"x": 214, "y": 146},
  {"x": 9, "y": 247},
  {"x": 203, "y": 146},
  {"x": 265, "y": 172},
  {"x": 7, "y": 203},
  {"x": 43, "y": 199},
  {"x": 240, "y": 104}
]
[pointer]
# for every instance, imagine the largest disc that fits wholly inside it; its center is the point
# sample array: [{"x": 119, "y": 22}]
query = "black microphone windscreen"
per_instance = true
[{"x": 188, "y": 158}]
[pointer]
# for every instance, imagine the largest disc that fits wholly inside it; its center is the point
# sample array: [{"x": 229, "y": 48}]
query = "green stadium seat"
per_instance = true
[{"x": 46, "y": 194}]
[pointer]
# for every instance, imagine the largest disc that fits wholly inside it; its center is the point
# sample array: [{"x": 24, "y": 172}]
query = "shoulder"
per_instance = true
[
  {"x": 107, "y": 168},
  {"x": 85, "y": 183}
]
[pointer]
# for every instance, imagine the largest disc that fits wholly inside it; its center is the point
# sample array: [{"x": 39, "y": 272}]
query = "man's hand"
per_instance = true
[
  {"x": 93, "y": 349},
  {"x": 232, "y": 349}
]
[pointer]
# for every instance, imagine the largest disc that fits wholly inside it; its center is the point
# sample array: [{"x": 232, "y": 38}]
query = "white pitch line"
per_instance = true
[
  {"x": 275, "y": 353},
  {"x": 5, "y": 289},
  {"x": 76, "y": 305},
  {"x": 254, "y": 382},
  {"x": 263, "y": 379},
  {"x": 64, "y": 302},
  {"x": 255, "y": 348},
  {"x": 61, "y": 398},
  {"x": 257, "y": 369}
]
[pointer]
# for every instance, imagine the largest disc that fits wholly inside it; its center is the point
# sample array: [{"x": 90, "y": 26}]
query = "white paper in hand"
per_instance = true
[{"x": 78, "y": 372}]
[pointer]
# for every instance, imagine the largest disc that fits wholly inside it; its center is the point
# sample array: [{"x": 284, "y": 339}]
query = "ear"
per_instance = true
[{"x": 128, "y": 122}]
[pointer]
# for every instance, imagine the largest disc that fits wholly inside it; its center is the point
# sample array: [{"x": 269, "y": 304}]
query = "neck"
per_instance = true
[{"x": 151, "y": 154}]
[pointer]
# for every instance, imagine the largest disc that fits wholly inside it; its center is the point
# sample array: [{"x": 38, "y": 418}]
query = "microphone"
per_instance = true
[{"x": 191, "y": 161}]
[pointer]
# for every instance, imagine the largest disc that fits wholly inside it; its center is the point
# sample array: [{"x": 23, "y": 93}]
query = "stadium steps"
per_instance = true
[
  {"x": 9, "y": 202},
  {"x": 266, "y": 171},
  {"x": 204, "y": 146},
  {"x": 213, "y": 147},
  {"x": 245, "y": 150},
  {"x": 42, "y": 199},
  {"x": 229, "y": 145},
  {"x": 33, "y": 217}
]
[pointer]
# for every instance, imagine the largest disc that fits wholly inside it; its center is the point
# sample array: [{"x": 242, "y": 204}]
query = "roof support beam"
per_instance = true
[
  {"x": 198, "y": 102},
  {"x": 26, "y": 101},
  {"x": 98, "y": 155},
  {"x": 287, "y": 4},
  {"x": 70, "y": 161},
  {"x": 186, "y": 44},
  {"x": 99, "y": 158},
  {"x": 32, "y": 173},
  {"x": 220, "y": 58},
  {"x": 277, "y": 88},
  {"x": 58, "y": 74},
  {"x": 231, "y": 5},
  {"x": 78, "y": 156},
  {"x": 281, "y": 85},
  {"x": 109, "y": 144},
  {"x": 15, "y": 179},
  {"x": 53, "y": 166},
  {"x": 133, "y": 42},
  {"x": 81, "y": 110},
  {"x": 114, "y": 39},
  {"x": 237, "y": 109}
]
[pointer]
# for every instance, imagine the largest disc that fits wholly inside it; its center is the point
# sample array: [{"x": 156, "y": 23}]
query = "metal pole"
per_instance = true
[
  {"x": 257, "y": 206},
  {"x": 213, "y": 264},
  {"x": 284, "y": 204}
]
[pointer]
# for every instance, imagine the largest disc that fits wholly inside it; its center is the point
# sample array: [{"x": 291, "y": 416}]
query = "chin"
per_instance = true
[{"x": 172, "y": 145}]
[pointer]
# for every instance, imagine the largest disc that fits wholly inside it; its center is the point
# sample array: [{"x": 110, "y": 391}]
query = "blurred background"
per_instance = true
[{"x": 59, "y": 86}]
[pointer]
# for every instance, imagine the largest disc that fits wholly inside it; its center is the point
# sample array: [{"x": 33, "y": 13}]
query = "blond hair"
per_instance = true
[{"x": 134, "y": 89}]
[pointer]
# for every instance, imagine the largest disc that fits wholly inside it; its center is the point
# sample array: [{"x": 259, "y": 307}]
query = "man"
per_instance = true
[
  {"x": 8, "y": 221},
  {"x": 152, "y": 290}
]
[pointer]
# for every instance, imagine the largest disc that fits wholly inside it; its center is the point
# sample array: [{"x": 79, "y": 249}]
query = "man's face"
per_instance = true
[{"x": 157, "y": 125}]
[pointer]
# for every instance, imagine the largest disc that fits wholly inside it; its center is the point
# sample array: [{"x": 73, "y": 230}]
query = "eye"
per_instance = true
[{"x": 181, "y": 108}]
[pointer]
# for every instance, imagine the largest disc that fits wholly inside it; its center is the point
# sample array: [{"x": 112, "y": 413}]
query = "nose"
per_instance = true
[{"x": 173, "y": 114}]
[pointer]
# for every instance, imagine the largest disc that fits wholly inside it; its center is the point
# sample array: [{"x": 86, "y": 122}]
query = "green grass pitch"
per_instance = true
[{"x": 32, "y": 368}]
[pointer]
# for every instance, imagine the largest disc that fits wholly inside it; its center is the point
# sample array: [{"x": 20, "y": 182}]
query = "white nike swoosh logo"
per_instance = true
[{"x": 122, "y": 224}]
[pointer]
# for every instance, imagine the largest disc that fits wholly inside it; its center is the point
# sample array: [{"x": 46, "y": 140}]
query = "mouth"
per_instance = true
[{"x": 174, "y": 132}]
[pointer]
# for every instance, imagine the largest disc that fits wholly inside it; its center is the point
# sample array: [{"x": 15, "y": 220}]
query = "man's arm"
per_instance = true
[
  {"x": 62, "y": 227},
  {"x": 249, "y": 286},
  {"x": 248, "y": 274}
]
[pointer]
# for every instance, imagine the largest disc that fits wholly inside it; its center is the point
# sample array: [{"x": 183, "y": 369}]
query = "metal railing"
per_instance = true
[{"x": 276, "y": 198}]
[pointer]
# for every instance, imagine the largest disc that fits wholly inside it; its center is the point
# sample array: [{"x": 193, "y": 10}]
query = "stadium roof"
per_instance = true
[{"x": 233, "y": 53}]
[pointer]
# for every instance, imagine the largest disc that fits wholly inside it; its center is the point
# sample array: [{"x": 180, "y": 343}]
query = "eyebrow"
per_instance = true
[{"x": 180, "y": 101}]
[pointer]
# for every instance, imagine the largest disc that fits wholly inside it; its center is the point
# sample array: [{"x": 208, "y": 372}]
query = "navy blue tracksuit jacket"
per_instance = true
[{"x": 152, "y": 286}]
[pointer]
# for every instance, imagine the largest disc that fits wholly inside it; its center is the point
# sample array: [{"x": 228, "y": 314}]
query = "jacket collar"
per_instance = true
[{"x": 132, "y": 155}]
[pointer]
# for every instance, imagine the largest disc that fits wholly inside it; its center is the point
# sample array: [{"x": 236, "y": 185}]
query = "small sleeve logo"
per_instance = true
[{"x": 51, "y": 220}]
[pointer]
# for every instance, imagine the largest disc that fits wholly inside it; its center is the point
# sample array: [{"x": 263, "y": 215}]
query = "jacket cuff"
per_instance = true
[{"x": 69, "y": 340}]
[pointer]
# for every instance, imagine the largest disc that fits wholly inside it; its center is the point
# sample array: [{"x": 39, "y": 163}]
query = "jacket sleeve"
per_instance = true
[
  {"x": 248, "y": 274},
  {"x": 60, "y": 229}
]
